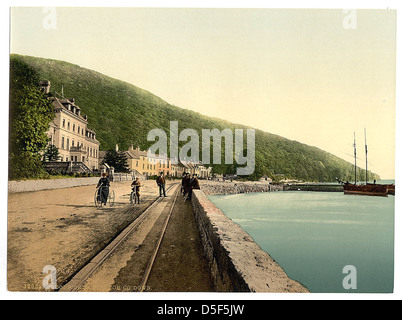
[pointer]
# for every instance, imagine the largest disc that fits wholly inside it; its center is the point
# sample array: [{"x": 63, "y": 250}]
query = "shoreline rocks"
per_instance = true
[{"x": 237, "y": 187}]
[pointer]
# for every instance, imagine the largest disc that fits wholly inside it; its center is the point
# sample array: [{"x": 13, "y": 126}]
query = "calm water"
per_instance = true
[{"x": 314, "y": 235}]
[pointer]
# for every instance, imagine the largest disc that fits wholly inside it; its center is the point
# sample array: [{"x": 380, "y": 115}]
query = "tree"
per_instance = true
[
  {"x": 51, "y": 153},
  {"x": 116, "y": 159},
  {"x": 30, "y": 115}
]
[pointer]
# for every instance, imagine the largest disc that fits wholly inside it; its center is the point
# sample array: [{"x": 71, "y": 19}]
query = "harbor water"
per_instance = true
[{"x": 328, "y": 241}]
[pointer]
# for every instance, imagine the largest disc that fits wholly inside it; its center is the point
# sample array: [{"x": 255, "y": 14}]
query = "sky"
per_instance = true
[{"x": 312, "y": 75}]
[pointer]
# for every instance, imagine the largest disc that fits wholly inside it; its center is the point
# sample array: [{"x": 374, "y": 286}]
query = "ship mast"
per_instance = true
[
  {"x": 354, "y": 146},
  {"x": 365, "y": 142}
]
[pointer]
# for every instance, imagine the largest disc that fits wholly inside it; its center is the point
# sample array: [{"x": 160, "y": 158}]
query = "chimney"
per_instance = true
[
  {"x": 45, "y": 86},
  {"x": 117, "y": 147},
  {"x": 131, "y": 148}
]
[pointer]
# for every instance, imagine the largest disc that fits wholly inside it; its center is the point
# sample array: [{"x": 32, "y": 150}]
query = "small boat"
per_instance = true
[{"x": 368, "y": 189}]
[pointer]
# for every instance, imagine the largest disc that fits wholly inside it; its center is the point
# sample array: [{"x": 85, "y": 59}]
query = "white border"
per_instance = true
[{"x": 5, "y": 23}]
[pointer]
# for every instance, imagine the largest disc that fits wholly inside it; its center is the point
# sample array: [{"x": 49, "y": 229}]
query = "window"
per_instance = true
[
  {"x": 64, "y": 123},
  {"x": 78, "y": 130},
  {"x": 72, "y": 143},
  {"x": 62, "y": 142},
  {"x": 68, "y": 126},
  {"x": 73, "y": 127},
  {"x": 68, "y": 144}
]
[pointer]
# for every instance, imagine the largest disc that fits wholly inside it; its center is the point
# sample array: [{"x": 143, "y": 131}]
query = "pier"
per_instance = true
[{"x": 313, "y": 187}]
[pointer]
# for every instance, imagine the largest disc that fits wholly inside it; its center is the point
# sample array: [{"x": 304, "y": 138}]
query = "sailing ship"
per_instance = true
[{"x": 368, "y": 189}]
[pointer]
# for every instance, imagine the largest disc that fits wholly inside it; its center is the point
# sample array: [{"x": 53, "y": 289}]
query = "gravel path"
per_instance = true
[{"x": 62, "y": 228}]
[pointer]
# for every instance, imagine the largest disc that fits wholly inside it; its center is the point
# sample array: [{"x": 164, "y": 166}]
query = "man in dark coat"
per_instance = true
[
  {"x": 194, "y": 184},
  {"x": 161, "y": 182},
  {"x": 136, "y": 185},
  {"x": 186, "y": 184}
]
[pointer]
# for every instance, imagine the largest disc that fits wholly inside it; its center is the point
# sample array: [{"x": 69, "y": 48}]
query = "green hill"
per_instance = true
[{"x": 123, "y": 114}]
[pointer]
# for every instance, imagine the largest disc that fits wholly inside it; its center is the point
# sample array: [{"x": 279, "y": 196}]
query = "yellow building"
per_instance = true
[
  {"x": 144, "y": 164},
  {"x": 138, "y": 161}
]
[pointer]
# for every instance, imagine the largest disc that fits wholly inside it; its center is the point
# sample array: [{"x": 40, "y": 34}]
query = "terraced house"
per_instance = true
[
  {"x": 142, "y": 163},
  {"x": 69, "y": 132}
]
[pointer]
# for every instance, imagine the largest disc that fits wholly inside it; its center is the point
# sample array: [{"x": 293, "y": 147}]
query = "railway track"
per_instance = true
[
  {"x": 76, "y": 283},
  {"x": 151, "y": 262}
]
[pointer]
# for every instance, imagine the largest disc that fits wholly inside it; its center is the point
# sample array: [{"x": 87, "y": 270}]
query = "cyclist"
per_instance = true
[
  {"x": 136, "y": 185},
  {"x": 103, "y": 185}
]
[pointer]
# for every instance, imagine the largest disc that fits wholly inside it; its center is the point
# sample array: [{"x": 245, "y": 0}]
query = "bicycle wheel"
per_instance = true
[
  {"x": 132, "y": 198},
  {"x": 97, "y": 199}
]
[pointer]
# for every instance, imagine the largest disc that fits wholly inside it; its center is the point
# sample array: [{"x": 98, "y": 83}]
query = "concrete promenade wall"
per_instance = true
[
  {"x": 237, "y": 263},
  {"x": 36, "y": 185}
]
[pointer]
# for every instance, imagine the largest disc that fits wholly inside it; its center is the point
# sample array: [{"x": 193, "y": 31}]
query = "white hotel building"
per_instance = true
[{"x": 69, "y": 132}]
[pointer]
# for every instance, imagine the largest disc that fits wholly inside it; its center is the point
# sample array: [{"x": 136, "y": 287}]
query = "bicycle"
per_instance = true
[
  {"x": 98, "y": 197},
  {"x": 133, "y": 196}
]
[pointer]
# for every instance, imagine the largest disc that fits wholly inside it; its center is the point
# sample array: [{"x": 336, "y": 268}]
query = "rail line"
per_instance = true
[
  {"x": 82, "y": 275},
  {"x": 155, "y": 253}
]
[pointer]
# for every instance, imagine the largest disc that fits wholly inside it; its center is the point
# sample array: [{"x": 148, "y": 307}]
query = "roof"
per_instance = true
[
  {"x": 62, "y": 104},
  {"x": 133, "y": 154}
]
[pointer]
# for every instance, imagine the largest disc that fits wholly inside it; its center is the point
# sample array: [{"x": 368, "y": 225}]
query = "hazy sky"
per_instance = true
[{"x": 315, "y": 76}]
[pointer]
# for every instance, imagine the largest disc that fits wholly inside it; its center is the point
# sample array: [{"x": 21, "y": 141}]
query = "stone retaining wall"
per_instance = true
[
  {"x": 237, "y": 263},
  {"x": 36, "y": 185}
]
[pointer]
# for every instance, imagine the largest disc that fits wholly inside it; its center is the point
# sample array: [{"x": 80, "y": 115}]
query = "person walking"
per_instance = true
[
  {"x": 182, "y": 183},
  {"x": 186, "y": 185},
  {"x": 136, "y": 185},
  {"x": 161, "y": 182},
  {"x": 194, "y": 185},
  {"x": 103, "y": 186}
]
